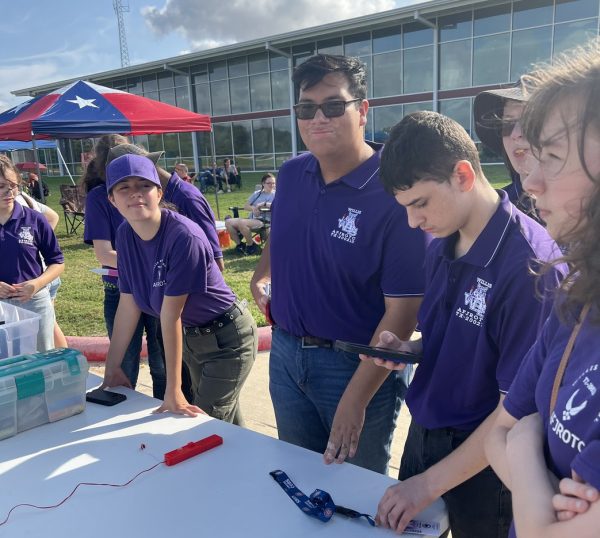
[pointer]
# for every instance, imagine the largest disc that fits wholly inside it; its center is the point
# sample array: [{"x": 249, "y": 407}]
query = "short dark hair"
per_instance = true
[
  {"x": 425, "y": 145},
  {"x": 316, "y": 68}
]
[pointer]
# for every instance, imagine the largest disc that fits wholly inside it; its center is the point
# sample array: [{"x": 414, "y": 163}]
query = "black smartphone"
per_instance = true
[
  {"x": 403, "y": 357},
  {"x": 105, "y": 397}
]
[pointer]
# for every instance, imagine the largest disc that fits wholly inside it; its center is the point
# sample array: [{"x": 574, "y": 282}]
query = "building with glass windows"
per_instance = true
[{"x": 432, "y": 55}]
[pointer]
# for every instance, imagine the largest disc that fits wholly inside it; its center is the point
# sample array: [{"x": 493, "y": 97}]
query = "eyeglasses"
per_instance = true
[
  {"x": 269, "y": 183},
  {"x": 508, "y": 126},
  {"x": 330, "y": 109},
  {"x": 9, "y": 187}
]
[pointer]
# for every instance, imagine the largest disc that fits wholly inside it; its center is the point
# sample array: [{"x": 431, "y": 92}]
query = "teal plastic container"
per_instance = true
[{"x": 40, "y": 388}]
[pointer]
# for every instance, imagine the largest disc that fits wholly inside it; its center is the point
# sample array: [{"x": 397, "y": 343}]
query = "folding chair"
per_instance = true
[
  {"x": 73, "y": 204},
  {"x": 262, "y": 232}
]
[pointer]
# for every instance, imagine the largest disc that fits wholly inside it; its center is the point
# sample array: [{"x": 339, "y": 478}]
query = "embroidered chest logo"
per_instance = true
[
  {"x": 25, "y": 236},
  {"x": 159, "y": 273},
  {"x": 347, "y": 229},
  {"x": 475, "y": 301}
]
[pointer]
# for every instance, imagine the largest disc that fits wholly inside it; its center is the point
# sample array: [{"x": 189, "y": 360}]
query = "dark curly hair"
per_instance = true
[{"x": 576, "y": 74}]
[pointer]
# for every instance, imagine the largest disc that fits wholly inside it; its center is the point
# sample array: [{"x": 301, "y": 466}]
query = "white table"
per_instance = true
[{"x": 225, "y": 492}]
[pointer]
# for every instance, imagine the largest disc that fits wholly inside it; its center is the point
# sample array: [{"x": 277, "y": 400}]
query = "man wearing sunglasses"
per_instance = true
[{"x": 344, "y": 265}]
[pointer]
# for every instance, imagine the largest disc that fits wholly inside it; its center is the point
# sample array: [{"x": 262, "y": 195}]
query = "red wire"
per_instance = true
[{"x": 75, "y": 489}]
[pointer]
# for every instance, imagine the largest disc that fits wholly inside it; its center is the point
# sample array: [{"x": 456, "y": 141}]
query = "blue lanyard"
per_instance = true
[{"x": 319, "y": 505}]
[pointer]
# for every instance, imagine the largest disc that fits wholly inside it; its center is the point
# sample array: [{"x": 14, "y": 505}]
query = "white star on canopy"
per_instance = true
[
  {"x": 83, "y": 102},
  {"x": 20, "y": 106}
]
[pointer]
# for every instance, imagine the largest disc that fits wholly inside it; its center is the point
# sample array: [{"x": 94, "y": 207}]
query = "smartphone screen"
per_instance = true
[{"x": 105, "y": 397}]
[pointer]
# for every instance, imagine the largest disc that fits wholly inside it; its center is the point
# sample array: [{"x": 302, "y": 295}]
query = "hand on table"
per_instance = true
[
  {"x": 115, "y": 377},
  {"x": 345, "y": 433},
  {"x": 403, "y": 502},
  {"x": 389, "y": 340},
  {"x": 7, "y": 291},
  {"x": 175, "y": 402},
  {"x": 574, "y": 497}
]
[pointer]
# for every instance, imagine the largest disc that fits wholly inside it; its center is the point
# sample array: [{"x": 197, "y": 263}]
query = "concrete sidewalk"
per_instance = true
[{"x": 258, "y": 409}]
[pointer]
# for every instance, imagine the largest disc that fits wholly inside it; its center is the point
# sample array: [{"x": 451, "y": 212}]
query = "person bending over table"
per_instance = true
[{"x": 167, "y": 269}]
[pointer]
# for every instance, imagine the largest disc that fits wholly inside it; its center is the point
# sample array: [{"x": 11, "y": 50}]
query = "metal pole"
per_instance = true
[
  {"x": 436, "y": 56},
  {"x": 167, "y": 67},
  {"x": 292, "y": 96},
  {"x": 61, "y": 158},
  {"x": 213, "y": 165}
]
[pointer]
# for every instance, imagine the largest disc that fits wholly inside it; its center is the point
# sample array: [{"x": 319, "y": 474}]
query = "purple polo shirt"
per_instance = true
[
  {"x": 26, "y": 238},
  {"x": 191, "y": 203},
  {"x": 178, "y": 260},
  {"x": 573, "y": 430},
  {"x": 337, "y": 250},
  {"x": 101, "y": 221},
  {"x": 479, "y": 317}
]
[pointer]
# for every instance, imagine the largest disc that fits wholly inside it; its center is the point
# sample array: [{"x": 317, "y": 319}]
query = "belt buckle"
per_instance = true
[{"x": 307, "y": 346}]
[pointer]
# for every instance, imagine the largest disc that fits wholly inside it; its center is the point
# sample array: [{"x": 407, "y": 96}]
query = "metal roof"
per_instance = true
[{"x": 256, "y": 45}]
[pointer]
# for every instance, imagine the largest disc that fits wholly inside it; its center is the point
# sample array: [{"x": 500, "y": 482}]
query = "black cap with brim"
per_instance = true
[{"x": 488, "y": 109}]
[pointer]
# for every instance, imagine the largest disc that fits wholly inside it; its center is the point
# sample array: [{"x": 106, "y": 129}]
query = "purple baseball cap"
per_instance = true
[{"x": 130, "y": 165}]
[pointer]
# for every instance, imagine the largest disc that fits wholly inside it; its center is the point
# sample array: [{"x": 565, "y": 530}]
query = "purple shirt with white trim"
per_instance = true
[
  {"x": 178, "y": 260},
  {"x": 101, "y": 221},
  {"x": 573, "y": 430},
  {"x": 191, "y": 203},
  {"x": 337, "y": 250},
  {"x": 24, "y": 237},
  {"x": 479, "y": 317}
]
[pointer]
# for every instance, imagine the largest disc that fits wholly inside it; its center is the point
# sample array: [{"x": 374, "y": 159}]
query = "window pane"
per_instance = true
[
  {"x": 242, "y": 137},
  {"x": 149, "y": 83},
  {"x": 155, "y": 143},
  {"x": 183, "y": 97},
  {"x": 202, "y": 98},
  {"x": 152, "y": 95},
  {"x": 120, "y": 85},
  {"x": 240, "y": 99},
  {"x": 529, "y": 47},
  {"x": 455, "y": 64},
  {"x": 532, "y": 13},
  {"x": 387, "y": 39},
  {"x": 168, "y": 96},
  {"x": 204, "y": 146},
  {"x": 387, "y": 74},
  {"x": 260, "y": 92},
  {"x": 237, "y": 67},
  {"x": 384, "y": 118},
  {"x": 281, "y": 158},
  {"x": 491, "y": 20},
  {"x": 459, "y": 110},
  {"x": 181, "y": 80},
  {"x": 217, "y": 70},
  {"x": 416, "y": 107},
  {"x": 199, "y": 73},
  {"x": 243, "y": 162},
  {"x": 134, "y": 85},
  {"x": 278, "y": 62},
  {"x": 223, "y": 138},
  {"x": 369, "y": 126},
  {"x": 264, "y": 162},
  {"x": 165, "y": 80},
  {"x": 171, "y": 141},
  {"x": 418, "y": 70},
  {"x": 262, "y": 134},
  {"x": 330, "y": 46},
  {"x": 571, "y": 34},
  {"x": 219, "y": 93},
  {"x": 282, "y": 134},
  {"x": 416, "y": 34},
  {"x": 490, "y": 59},
  {"x": 457, "y": 26},
  {"x": 280, "y": 88},
  {"x": 258, "y": 63},
  {"x": 185, "y": 145},
  {"x": 357, "y": 44},
  {"x": 569, "y": 10}
]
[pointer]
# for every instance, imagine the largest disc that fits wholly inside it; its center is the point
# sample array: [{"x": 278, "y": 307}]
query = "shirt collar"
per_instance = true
[
  {"x": 488, "y": 243},
  {"x": 361, "y": 175},
  {"x": 18, "y": 212}
]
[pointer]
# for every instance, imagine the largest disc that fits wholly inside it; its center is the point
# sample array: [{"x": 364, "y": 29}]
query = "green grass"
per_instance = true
[{"x": 79, "y": 302}]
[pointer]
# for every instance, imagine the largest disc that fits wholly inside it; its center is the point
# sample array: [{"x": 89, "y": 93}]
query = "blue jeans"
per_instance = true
[
  {"x": 41, "y": 304},
  {"x": 306, "y": 386},
  {"x": 131, "y": 359}
]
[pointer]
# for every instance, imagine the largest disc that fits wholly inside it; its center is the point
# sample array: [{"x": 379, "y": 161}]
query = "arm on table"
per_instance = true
[
  {"x": 400, "y": 317},
  {"x": 261, "y": 276},
  {"x": 405, "y": 500},
  {"x": 170, "y": 323}
]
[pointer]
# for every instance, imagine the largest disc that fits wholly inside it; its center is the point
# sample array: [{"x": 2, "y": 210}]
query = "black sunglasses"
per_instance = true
[
  {"x": 330, "y": 109},
  {"x": 508, "y": 126}
]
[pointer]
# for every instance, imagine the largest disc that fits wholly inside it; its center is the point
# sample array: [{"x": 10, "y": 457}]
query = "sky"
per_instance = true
[{"x": 44, "y": 41}]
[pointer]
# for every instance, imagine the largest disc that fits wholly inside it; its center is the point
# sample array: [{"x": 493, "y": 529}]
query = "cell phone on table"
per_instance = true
[
  {"x": 105, "y": 397},
  {"x": 401, "y": 357}
]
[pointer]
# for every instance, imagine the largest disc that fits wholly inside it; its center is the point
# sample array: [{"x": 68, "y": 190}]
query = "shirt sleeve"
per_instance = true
[
  {"x": 201, "y": 213},
  {"x": 124, "y": 268},
  {"x": 187, "y": 267},
  {"x": 586, "y": 465},
  {"x": 48, "y": 244},
  {"x": 97, "y": 221}
]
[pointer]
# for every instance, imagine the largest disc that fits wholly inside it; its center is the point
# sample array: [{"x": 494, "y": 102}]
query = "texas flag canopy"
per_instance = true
[{"x": 84, "y": 109}]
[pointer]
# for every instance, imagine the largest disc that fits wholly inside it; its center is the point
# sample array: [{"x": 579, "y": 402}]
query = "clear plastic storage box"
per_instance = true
[
  {"x": 18, "y": 330},
  {"x": 40, "y": 388}
]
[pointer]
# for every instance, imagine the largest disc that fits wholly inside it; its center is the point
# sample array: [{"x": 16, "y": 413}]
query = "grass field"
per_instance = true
[{"x": 79, "y": 302}]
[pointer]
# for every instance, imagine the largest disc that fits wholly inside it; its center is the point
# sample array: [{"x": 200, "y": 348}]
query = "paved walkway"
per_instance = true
[{"x": 258, "y": 409}]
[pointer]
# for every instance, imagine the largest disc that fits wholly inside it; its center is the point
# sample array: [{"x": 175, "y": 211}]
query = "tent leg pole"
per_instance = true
[
  {"x": 214, "y": 171},
  {"x": 60, "y": 155}
]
